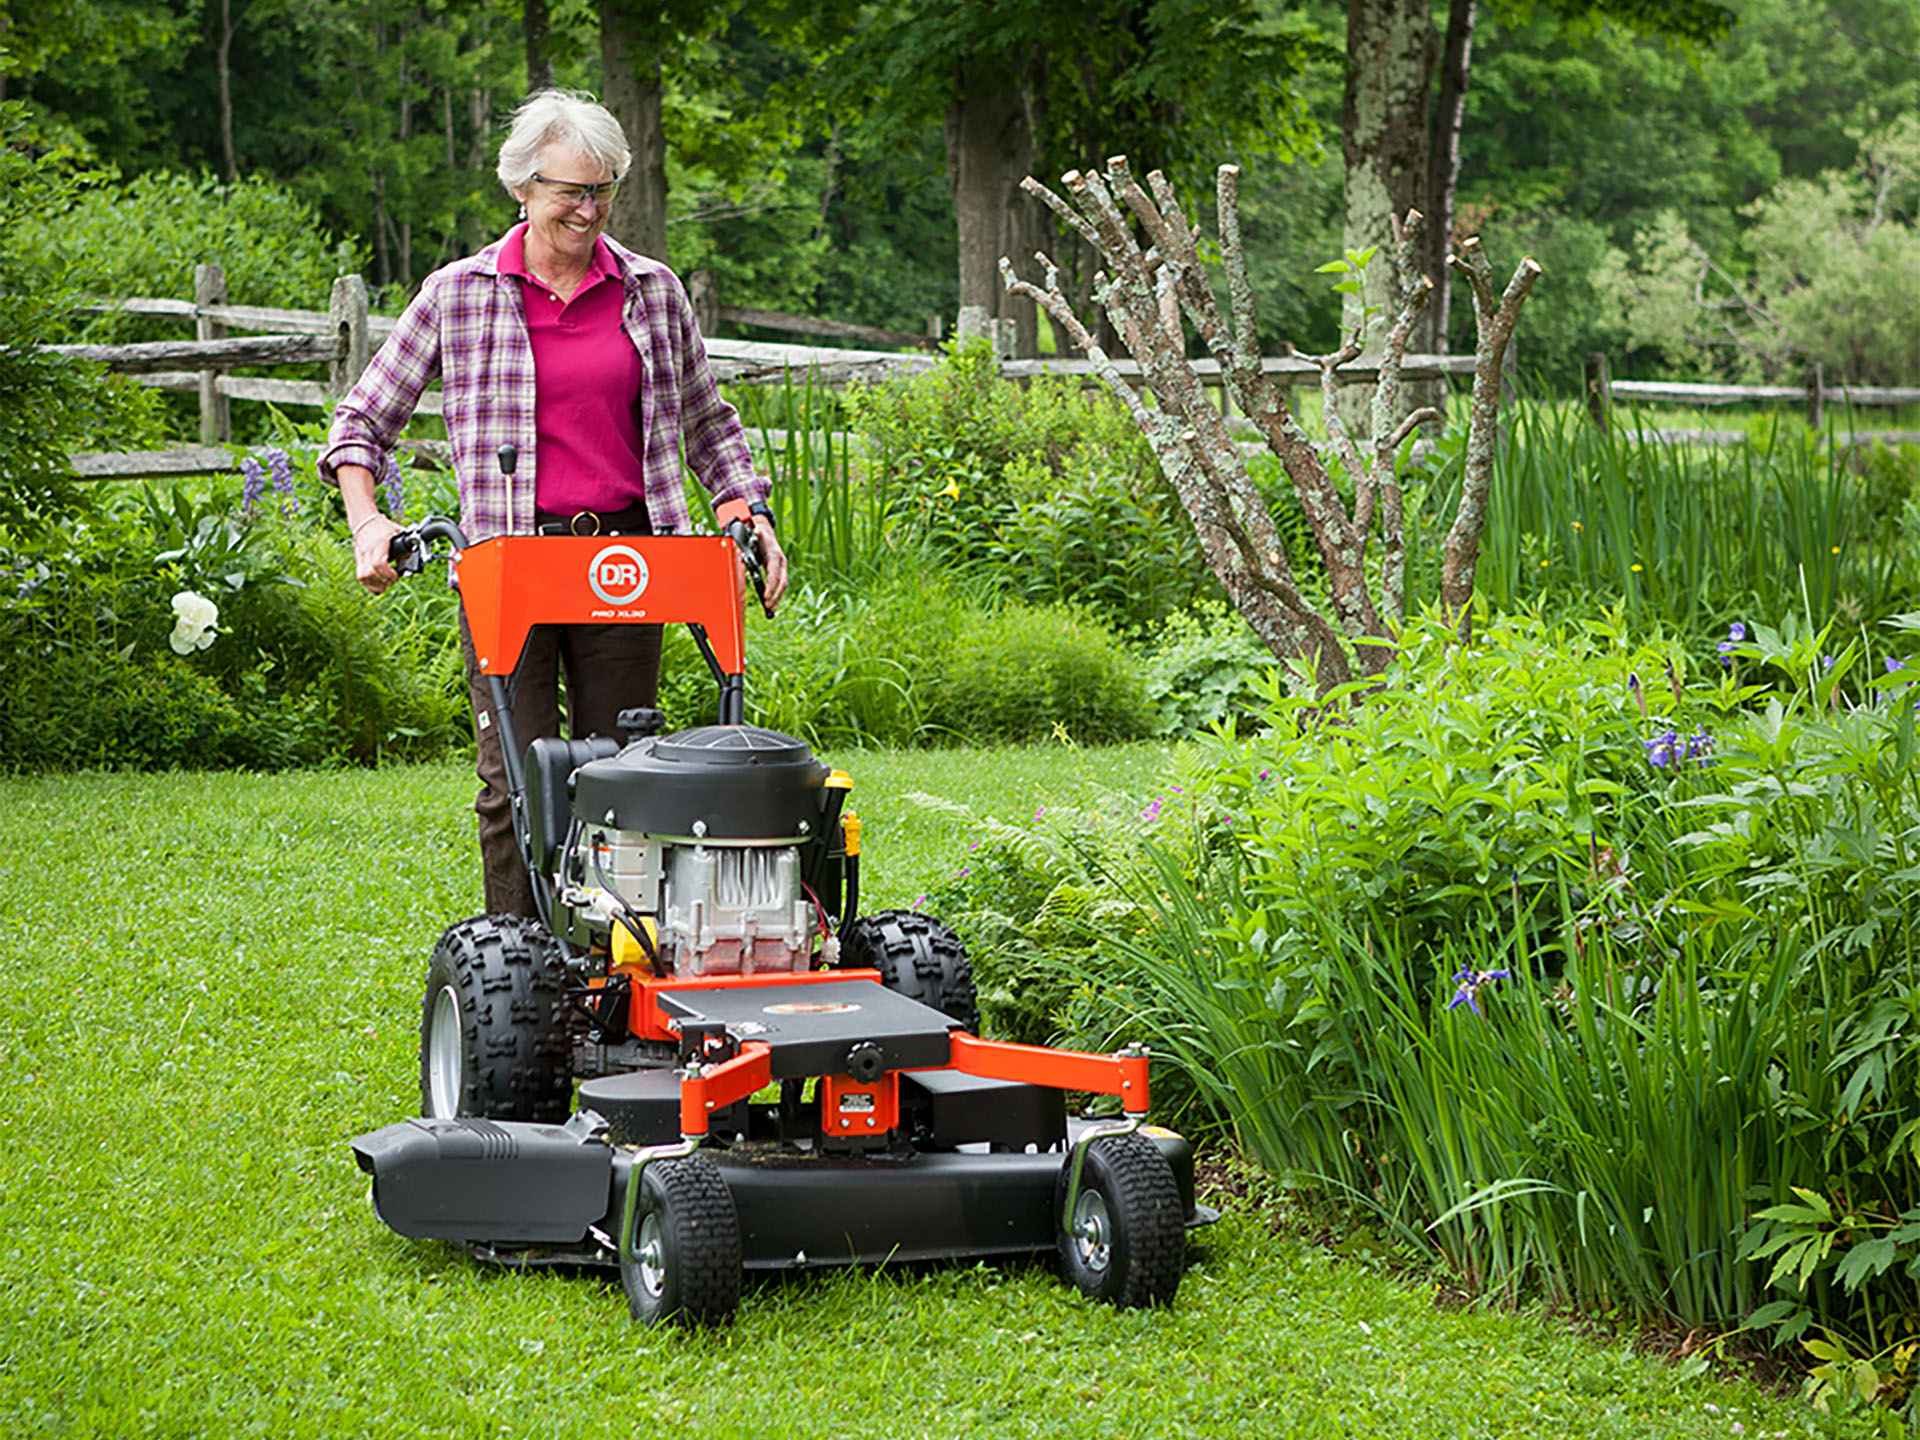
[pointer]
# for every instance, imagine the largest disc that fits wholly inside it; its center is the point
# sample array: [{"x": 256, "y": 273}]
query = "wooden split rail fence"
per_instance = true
[
  {"x": 1813, "y": 396},
  {"x": 342, "y": 338}
]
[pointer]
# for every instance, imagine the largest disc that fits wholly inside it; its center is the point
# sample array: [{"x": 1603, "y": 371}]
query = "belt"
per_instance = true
[{"x": 630, "y": 521}]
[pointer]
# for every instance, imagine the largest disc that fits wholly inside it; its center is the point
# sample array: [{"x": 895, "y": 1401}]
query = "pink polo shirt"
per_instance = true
[{"x": 586, "y": 388}]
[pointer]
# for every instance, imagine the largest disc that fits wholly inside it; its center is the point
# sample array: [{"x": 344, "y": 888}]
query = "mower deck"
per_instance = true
[{"x": 519, "y": 1193}]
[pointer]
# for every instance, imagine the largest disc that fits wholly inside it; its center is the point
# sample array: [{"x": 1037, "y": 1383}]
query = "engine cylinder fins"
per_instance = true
[{"x": 731, "y": 745}]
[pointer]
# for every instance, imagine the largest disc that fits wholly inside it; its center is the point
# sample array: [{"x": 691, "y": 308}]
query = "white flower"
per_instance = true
[{"x": 196, "y": 621}]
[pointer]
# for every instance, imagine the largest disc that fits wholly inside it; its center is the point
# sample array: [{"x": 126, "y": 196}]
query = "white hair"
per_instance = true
[{"x": 568, "y": 118}]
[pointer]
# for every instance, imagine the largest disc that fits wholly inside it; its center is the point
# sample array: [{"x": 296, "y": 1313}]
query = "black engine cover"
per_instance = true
[{"x": 718, "y": 782}]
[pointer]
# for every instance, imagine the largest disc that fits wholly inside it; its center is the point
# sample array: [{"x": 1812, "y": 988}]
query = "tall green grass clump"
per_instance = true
[
  {"x": 1582, "y": 963},
  {"x": 1684, "y": 535}
]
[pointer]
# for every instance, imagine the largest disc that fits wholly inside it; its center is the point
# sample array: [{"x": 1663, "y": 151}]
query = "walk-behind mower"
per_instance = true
[{"x": 702, "y": 1058}]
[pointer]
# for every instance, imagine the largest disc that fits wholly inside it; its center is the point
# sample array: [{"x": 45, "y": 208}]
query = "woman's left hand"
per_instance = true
[{"x": 773, "y": 558}]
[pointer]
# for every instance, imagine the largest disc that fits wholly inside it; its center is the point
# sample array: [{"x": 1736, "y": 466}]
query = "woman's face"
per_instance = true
[{"x": 562, "y": 221}]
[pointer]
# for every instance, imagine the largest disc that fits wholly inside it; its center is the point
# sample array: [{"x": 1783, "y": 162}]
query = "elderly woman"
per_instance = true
[{"x": 584, "y": 356}]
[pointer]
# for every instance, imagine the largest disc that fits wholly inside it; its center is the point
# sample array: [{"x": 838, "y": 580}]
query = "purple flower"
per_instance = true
[
  {"x": 1639, "y": 696},
  {"x": 1736, "y": 635},
  {"x": 1894, "y": 667},
  {"x": 254, "y": 486},
  {"x": 1152, "y": 812},
  {"x": 1700, "y": 747},
  {"x": 396, "y": 489},
  {"x": 1468, "y": 983},
  {"x": 280, "y": 468},
  {"x": 1265, "y": 773},
  {"x": 1660, "y": 749}
]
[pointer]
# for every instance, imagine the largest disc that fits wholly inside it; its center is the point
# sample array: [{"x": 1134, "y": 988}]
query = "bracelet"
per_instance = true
[{"x": 365, "y": 520}]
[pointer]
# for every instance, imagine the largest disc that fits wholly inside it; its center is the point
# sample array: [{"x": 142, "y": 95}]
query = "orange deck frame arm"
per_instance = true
[
  {"x": 752, "y": 1070},
  {"x": 715, "y": 1089},
  {"x": 511, "y": 583},
  {"x": 1122, "y": 1075}
]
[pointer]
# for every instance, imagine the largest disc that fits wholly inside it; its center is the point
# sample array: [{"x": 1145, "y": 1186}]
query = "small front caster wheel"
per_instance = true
[
  {"x": 685, "y": 1261},
  {"x": 1126, "y": 1240}
]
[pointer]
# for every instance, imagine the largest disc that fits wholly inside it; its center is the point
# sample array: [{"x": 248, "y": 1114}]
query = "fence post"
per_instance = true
[
  {"x": 1816, "y": 397},
  {"x": 1599, "y": 389},
  {"x": 216, "y": 415},
  {"x": 704, "y": 291},
  {"x": 352, "y": 342}
]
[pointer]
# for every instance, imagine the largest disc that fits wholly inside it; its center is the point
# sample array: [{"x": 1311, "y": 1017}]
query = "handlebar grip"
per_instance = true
[
  {"x": 406, "y": 553},
  {"x": 748, "y": 539}
]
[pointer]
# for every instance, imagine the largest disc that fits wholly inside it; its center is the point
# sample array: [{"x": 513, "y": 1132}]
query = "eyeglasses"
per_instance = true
[{"x": 571, "y": 192}]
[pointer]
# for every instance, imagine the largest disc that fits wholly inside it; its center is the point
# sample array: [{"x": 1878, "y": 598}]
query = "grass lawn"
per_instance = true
[{"x": 212, "y": 981}]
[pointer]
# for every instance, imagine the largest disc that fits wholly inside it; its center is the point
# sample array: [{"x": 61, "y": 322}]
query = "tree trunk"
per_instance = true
[
  {"x": 535, "y": 27},
  {"x": 1443, "y": 172},
  {"x": 989, "y": 136},
  {"x": 222, "y": 60},
  {"x": 1383, "y": 121},
  {"x": 630, "y": 87}
]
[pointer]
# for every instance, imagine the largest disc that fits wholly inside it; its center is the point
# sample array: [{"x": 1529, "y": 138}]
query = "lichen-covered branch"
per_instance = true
[
  {"x": 1153, "y": 285},
  {"x": 1494, "y": 320}
]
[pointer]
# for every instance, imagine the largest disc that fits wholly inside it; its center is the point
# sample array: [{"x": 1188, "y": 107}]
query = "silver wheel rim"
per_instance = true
[
  {"x": 1092, "y": 1230},
  {"x": 648, "y": 1262},
  {"x": 444, "y": 1078}
]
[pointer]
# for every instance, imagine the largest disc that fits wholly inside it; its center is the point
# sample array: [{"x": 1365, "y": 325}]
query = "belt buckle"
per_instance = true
[{"x": 573, "y": 525}]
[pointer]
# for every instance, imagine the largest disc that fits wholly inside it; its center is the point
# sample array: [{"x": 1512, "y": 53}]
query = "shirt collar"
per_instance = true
[{"x": 512, "y": 259}]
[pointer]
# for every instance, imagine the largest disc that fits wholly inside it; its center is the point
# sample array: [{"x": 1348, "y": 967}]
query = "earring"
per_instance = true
[{"x": 523, "y": 211}]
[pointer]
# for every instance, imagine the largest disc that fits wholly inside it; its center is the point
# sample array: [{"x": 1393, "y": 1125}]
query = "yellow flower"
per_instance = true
[
  {"x": 1636, "y": 567},
  {"x": 952, "y": 492}
]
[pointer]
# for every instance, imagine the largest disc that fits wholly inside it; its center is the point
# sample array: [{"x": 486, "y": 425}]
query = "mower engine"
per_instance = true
[{"x": 713, "y": 851}]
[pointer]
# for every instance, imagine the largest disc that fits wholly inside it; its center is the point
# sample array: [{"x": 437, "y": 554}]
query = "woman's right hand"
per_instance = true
[
  {"x": 371, "y": 531},
  {"x": 370, "y": 546}
]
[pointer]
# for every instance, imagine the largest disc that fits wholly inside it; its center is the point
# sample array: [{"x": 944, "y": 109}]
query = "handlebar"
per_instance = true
[
  {"x": 410, "y": 550},
  {"x": 747, "y": 539}
]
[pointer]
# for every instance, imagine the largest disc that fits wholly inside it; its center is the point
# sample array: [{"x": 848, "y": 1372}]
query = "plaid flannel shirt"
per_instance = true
[{"x": 468, "y": 326}]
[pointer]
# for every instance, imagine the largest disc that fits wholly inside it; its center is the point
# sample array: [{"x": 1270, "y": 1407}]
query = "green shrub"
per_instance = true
[
  {"x": 303, "y": 666},
  {"x": 1205, "y": 670},
  {"x": 1041, "y": 491},
  {"x": 50, "y": 405},
  {"x": 1589, "y": 967},
  {"x": 155, "y": 711},
  {"x": 144, "y": 235},
  {"x": 1028, "y": 672}
]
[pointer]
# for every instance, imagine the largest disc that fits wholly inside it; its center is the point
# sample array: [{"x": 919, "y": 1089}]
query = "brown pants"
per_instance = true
[{"x": 607, "y": 669}]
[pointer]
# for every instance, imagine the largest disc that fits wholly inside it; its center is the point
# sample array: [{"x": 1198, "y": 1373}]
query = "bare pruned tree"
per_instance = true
[{"x": 1153, "y": 277}]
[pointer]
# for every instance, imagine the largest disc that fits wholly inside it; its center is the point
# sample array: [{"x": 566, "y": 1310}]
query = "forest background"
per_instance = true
[{"x": 1651, "y": 157}]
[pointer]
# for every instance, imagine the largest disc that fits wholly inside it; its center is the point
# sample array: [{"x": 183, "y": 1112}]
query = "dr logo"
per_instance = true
[{"x": 618, "y": 575}]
